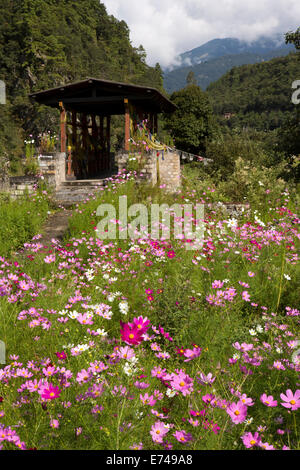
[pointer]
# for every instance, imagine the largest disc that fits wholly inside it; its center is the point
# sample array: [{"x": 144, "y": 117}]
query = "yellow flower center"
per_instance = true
[
  {"x": 292, "y": 402},
  {"x": 252, "y": 442},
  {"x": 236, "y": 413},
  {"x": 131, "y": 336},
  {"x": 182, "y": 384}
]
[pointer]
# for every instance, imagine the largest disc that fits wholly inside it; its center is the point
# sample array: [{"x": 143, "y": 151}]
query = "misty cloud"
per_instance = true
[{"x": 167, "y": 28}]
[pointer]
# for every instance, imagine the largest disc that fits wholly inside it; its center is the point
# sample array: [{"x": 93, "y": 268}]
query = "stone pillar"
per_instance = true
[{"x": 169, "y": 170}]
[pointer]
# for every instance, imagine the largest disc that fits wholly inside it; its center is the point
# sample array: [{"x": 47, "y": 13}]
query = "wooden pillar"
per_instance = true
[
  {"x": 155, "y": 124},
  {"x": 101, "y": 135},
  {"x": 63, "y": 135},
  {"x": 70, "y": 171},
  {"x": 127, "y": 125},
  {"x": 84, "y": 130},
  {"x": 107, "y": 166},
  {"x": 95, "y": 146}
]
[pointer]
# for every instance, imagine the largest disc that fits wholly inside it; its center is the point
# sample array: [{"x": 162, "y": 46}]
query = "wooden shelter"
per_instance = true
[{"x": 86, "y": 108}]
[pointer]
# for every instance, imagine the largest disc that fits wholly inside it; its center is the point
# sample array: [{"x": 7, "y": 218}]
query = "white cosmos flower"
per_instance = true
[
  {"x": 101, "y": 332},
  {"x": 170, "y": 393},
  {"x": 129, "y": 369},
  {"x": 252, "y": 332}
]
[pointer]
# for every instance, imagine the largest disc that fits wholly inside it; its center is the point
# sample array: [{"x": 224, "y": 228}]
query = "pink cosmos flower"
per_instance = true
[
  {"x": 278, "y": 365},
  {"x": 54, "y": 423},
  {"x": 148, "y": 399},
  {"x": 49, "y": 259},
  {"x": 291, "y": 401},
  {"x": 182, "y": 436},
  {"x": 268, "y": 400},
  {"x": 266, "y": 446},
  {"x": 246, "y": 400},
  {"x": 158, "y": 372},
  {"x": 192, "y": 353},
  {"x": 125, "y": 353},
  {"x": 251, "y": 440},
  {"x": 206, "y": 379},
  {"x": 158, "y": 431},
  {"x": 237, "y": 412},
  {"x": 83, "y": 376},
  {"x": 182, "y": 382},
  {"x": 246, "y": 296}
]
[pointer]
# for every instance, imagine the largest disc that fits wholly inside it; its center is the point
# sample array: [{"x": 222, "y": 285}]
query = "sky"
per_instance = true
[{"x": 166, "y": 28}]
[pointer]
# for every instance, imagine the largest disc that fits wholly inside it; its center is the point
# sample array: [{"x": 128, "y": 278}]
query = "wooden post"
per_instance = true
[
  {"x": 155, "y": 124},
  {"x": 63, "y": 136},
  {"x": 84, "y": 132},
  {"x": 95, "y": 146},
  {"x": 127, "y": 125},
  {"x": 101, "y": 165},
  {"x": 70, "y": 171},
  {"x": 107, "y": 166}
]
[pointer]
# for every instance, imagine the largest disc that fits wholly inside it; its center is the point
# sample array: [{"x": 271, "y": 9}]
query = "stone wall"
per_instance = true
[
  {"x": 53, "y": 168},
  {"x": 157, "y": 167},
  {"x": 18, "y": 185}
]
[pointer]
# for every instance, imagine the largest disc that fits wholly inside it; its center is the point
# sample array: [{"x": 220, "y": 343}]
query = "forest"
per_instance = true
[{"x": 45, "y": 43}]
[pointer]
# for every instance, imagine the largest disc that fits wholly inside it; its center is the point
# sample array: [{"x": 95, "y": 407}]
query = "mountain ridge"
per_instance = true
[{"x": 214, "y": 58}]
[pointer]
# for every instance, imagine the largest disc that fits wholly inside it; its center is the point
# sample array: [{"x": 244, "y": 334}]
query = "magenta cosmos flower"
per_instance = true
[
  {"x": 291, "y": 400},
  {"x": 49, "y": 392},
  {"x": 141, "y": 324},
  {"x": 237, "y": 412},
  {"x": 131, "y": 335}
]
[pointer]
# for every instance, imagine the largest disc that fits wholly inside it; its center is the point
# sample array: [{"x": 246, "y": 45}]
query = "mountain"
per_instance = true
[
  {"x": 256, "y": 96},
  {"x": 214, "y": 58}
]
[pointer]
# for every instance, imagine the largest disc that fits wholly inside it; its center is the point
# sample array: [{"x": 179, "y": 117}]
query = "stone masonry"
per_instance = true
[{"x": 157, "y": 167}]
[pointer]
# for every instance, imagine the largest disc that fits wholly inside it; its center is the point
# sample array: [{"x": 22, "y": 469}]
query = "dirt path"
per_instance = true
[{"x": 55, "y": 227}]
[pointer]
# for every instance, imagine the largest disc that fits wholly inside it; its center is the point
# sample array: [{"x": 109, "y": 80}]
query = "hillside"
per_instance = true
[
  {"x": 258, "y": 95},
  {"x": 45, "y": 43}
]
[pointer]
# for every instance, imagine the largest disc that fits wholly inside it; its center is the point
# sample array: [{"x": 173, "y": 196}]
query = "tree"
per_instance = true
[
  {"x": 293, "y": 38},
  {"x": 191, "y": 78},
  {"x": 192, "y": 122}
]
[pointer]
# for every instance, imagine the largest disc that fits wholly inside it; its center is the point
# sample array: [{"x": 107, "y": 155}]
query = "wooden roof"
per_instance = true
[{"x": 103, "y": 97}]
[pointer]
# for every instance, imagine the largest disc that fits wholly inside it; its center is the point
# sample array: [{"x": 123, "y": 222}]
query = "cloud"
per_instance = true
[{"x": 166, "y": 28}]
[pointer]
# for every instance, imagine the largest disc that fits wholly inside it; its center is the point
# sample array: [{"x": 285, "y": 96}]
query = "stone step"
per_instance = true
[{"x": 77, "y": 191}]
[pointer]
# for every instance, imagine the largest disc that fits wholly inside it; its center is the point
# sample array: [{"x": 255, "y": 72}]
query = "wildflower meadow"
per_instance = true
[{"x": 141, "y": 343}]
